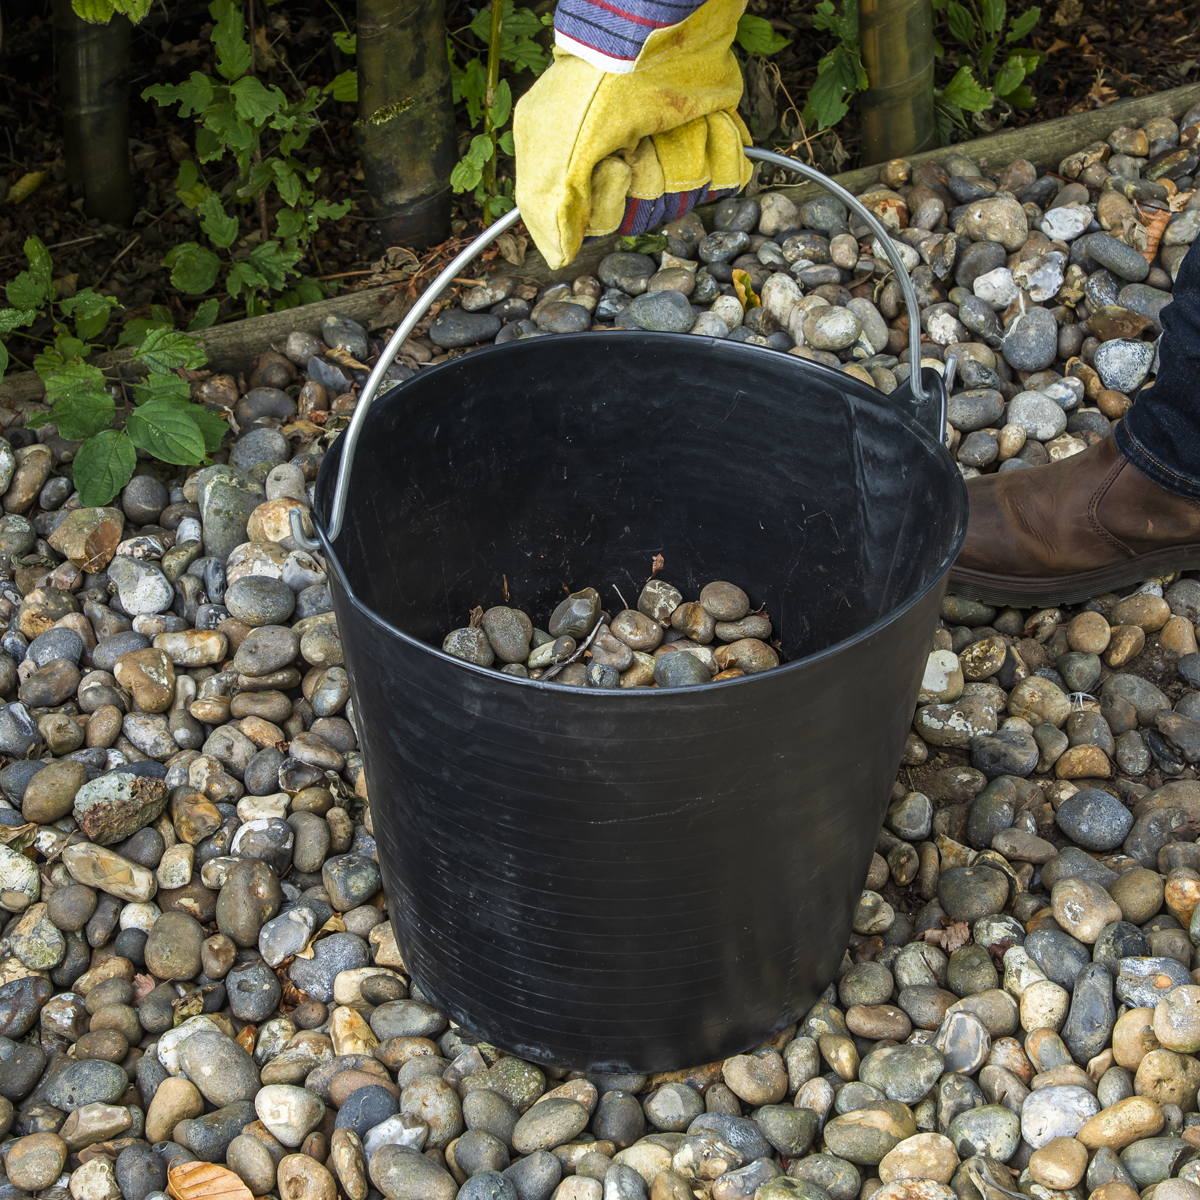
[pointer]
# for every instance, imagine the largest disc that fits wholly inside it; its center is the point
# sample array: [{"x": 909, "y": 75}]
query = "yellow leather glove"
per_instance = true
[{"x": 621, "y": 149}]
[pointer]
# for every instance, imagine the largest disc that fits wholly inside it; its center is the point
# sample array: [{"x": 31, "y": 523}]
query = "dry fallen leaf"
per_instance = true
[
  {"x": 476, "y": 617},
  {"x": 205, "y": 1181},
  {"x": 513, "y": 246},
  {"x": 143, "y": 985},
  {"x": 344, "y": 358},
  {"x": 656, "y": 564},
  {"x": 952, "y": 938}
]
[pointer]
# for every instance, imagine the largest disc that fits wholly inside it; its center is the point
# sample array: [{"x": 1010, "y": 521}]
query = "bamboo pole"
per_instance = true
[
  {"x": 896, "y": 42},
  {"x": 405, "y": 128},
  {"x": 93, "y": 73}
]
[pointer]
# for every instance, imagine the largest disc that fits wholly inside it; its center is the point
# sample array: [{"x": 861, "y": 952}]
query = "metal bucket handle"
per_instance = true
[{"x": 342, "y": 489}]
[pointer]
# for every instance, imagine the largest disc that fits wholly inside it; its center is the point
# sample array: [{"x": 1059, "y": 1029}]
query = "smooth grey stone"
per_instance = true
[
  {"x": 1092, "y": 1015},
  {"x": 1058, "y": 954},
  {"x": 1094, "y": 819}
]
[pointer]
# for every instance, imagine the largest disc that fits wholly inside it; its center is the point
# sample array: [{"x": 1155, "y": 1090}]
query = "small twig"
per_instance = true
[
  {"x": 113, "y": 262},
  {"x": 554, "y": 670},
  {"x": 619, "y": 596},
  {"x": 58, "y": 245}
]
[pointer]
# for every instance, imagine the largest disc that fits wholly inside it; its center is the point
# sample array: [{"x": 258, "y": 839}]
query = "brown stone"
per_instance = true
[
  {"x": 43, "y": 608},
  {"x": 88, "y": 537},
  {"x": 1167, "y": 1077},
  {"x": 1127, "y": 1121},
  {"x": 345, "y": 1083},
  {"x": 1083, "y": 762},
  {"x": 1114, "y": 405},
  {"x": 1115, "y": 321},
  {"x": 176, "y": 1100},
  {"x": 34, "y": 464},
  {"x": 149, "y": 676},
  {"x": 35, "y": 1162},
  {"x": 1127, "y": 643},
  {"x": 1059, "y": 1164}
]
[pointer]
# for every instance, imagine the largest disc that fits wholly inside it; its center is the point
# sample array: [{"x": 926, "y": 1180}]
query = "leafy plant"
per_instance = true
[
  {"x": 161, "y": 419},
  {"x": 991, "y": 67},
  {"x": 240, "y": 118},
  {"x": 508, "y": 33},
  {"x": 100, "y": 12},
  {"x": 756, "y": 35},
  {"x": 840, "y": 73}
]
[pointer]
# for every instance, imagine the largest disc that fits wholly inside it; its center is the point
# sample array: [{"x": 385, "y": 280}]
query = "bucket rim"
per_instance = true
[{"x": 332, "y": 459}]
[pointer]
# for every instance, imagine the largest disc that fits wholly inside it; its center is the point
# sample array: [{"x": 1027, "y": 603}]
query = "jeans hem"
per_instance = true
[{"x": 1148, "y": 465}]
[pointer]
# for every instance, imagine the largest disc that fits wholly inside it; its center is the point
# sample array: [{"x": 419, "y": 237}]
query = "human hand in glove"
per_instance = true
[{"x": 634, "y": 122}]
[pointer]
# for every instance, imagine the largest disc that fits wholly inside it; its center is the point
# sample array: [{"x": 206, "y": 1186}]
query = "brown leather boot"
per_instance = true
[{"x": 1064, "y": 532}]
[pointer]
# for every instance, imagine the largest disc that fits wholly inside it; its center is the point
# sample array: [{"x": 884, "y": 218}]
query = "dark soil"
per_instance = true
[{"x": 1098, "y": 51}]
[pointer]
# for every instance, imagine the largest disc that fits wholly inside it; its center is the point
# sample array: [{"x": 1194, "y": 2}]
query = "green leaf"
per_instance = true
[
  {"x": 229, "y": 39},
  {"x": 525, "y": 54},
  {"x": 224, "y": 121},
  {"x": 837, "y": 78},
  {"x": 501, "y": 108},
  {"x": 163, "y": 387},
  {"x": 82, "y": 414},
  {"x": 286, "y": 181},
  {"x": 824, "y": 15},
  {"x": 1022, "y": 25},
  {"x": 1009, "y": 77},
  {"x": 94, "y": 12},
  {"x": 346, "y": 42},
  {"x": 962, "y": 24},
  {"x": 135, "y": 332},
  {"x": 480, "y": 151},
  {"x": 206, "y": 314},
  {"x": 208, "y": 147},
  {"x": 1020, "y": 97},
  {"x": 32, "y": 288},
  {"x": 465, "y": 177},
  {"x": 221, "y": 228},
  {"x": 275, "y": 263},
  {"x": 103, "y": 466},
  {"x": 323, "y": 210},
  {"x": 473, "y": 88},
  {"x": 243, "y": 276},
  {"x": 645, "y": 243},
  {"x": 194, "y": 268},
  {"x": 344, "y": 87},
  {"x": 100, "y": 12},
  {"x": 4, "y": 361},
  {"x": 212, "y": 427},
  {"x": 193, "y": 96},
  {"x": 89, "y": 310},
  {"x": 992, "y": 13},
  {"x": 963, "y": 92},
  {"x": 188, "y": 185},
  {"x": 164, "y": 350},
  {"x": 505, "y": 142},
  {"x": 756, "y": 35},
  {"x": 166, "y": 431},
  {"x": 14, "y": 318},
  {"x": 291, "y": 224},
  {"x": 256, "y": 102}
]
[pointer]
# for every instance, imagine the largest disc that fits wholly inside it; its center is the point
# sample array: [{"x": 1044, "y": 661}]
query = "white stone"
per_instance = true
[
  {"x": 347, "y": 985},
  {"x": 260, "y": 808},
  {"x": 404, "y": 1129},
  {"x": 996, "y": 287},
  {"x": 175, "y": 867},
  {"x": 285, "y": 935},
  {"x": 1037, "y": 414},
  {"x": 708, "y": 324},
  {"x": 170, "y": 1042},
  {"x": 141, "y": 915},
  {"x": 1042, "y": 276},
  {"x": 1020, "y": 971},
  {"x": 729, "y": 309},
  {"x": 778, "y": 214},
  {"x": 95, "y": 1180},
  {"x": 18, "y": 874},
  {"x": 142, "y": 587},
  {"x": 1067, "y": 222},
  {"x": 290, "y": 1113},
  {"x": 1056, "y": 1112},
  {"x": 780, "y": 294}
]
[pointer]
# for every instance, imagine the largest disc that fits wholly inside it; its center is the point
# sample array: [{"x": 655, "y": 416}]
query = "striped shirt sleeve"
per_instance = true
[{"x": 609, "y": 33}]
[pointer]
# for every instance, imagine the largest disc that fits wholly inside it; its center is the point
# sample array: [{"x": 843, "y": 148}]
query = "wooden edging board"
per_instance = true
[{"x": 231, "y": 347}]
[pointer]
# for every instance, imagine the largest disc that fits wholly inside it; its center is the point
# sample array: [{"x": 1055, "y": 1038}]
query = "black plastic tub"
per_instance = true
[{"x": 646, "y": 879}]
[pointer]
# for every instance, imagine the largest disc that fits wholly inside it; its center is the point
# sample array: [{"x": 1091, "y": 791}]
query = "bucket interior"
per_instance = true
[{"x": 557, "y": 463}]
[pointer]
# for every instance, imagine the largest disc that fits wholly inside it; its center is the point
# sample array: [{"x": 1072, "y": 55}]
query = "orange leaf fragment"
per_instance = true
[{"x": 205, "y": 1181}]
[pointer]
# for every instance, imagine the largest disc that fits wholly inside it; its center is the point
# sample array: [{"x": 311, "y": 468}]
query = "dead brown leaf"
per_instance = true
[
  {"x": 476, "y": 617},
  {"x": 512, "y": 247},
  {"x": 656, "y": 564},
  {"x": 205, "y": 1181},
  {"x": 143, "y": 985},
  {"x": 954, "y": 937}
]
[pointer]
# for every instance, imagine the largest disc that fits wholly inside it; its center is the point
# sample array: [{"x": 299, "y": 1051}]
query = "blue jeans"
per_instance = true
[{"x": 1160, "y": 434}]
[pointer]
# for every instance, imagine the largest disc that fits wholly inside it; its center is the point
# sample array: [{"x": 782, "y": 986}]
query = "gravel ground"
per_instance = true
[{"x": 197, "y": 973}]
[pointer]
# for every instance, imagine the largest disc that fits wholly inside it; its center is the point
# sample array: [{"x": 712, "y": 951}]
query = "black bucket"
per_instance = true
[{"x": 637, "y": 880}]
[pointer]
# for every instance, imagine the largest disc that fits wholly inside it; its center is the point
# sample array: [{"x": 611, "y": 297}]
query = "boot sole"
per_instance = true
[{"x": 1020, "y": 591}]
